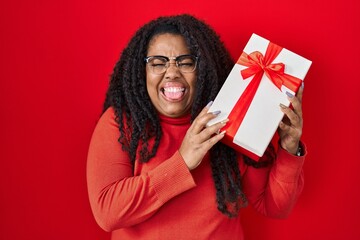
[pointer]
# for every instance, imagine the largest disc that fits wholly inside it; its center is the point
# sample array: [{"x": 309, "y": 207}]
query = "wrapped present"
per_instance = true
[{"x": 253, "y": 91}]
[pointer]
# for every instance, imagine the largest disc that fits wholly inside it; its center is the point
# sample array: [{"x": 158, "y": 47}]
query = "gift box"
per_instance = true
[{"x": 253, "y": 91}]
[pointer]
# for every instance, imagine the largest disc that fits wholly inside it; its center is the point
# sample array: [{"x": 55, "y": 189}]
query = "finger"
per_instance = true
[
  {"x": 208, "y": 132},
  {"x": 289, "y": 131},
  {"x": 203, "y": 118},
  {"x": 204, "y": 110},
  {"x": 284, "y": 127},
  {"x": 202, "y": 113},
  {"x": 295, "y": 119},
  {"x": 200, "y": 121},
  {"x": 212, "y": 141},
  {"x": 296, "y": 103},
  {"x": 299, "y": 94}
]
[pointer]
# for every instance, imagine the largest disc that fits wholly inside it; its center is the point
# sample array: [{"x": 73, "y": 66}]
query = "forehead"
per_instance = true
[{"x": 168, "y": 44}]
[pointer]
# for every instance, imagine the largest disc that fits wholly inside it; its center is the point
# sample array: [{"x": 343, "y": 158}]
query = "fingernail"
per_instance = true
[
  {"x": 282, "y": 105},
  {"x": 302, "y": 84},
  {"x": 224, "y": 121},
  {"x": 209, "y": 104},
  {"x": 223, "y": 132},
  {"x": 290, "y": 95},
  {"x": 216, "y": 112}
]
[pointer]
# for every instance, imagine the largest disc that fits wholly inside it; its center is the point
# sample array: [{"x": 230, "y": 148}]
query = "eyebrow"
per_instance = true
[
  {"x": 175, "y": 57},
  {"x": 170, "y": 58}
]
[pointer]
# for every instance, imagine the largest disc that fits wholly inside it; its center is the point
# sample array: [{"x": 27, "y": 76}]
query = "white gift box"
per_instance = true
[{"x": 263, "y": 116}]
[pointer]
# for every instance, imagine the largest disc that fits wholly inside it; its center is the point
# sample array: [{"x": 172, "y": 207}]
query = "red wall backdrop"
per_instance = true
[{"x": 55, "y": 62}]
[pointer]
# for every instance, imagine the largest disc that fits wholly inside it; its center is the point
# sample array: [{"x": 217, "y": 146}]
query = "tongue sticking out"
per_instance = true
[{"x": 174, "y": 93}]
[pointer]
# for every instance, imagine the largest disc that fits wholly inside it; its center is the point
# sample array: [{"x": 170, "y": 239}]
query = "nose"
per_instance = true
[{"x": 172, "y": 71}]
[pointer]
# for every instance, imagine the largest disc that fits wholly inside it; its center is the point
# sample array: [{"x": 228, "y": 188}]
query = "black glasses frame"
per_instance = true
[{"x": 177, "y": 59}]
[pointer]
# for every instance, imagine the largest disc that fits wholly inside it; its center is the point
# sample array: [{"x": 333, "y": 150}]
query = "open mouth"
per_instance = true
[{"x": 173, "y": 93}]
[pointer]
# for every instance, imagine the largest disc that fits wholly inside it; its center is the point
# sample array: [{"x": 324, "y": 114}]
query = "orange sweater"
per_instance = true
[{"x": 162, "y": 199}]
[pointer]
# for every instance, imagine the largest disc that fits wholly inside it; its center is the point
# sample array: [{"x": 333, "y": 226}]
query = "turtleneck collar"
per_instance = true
[{"x": 176, "y": 121}]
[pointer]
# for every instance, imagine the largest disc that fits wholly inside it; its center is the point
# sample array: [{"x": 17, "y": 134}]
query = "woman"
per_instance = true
[{"x": 154, "y": 171}]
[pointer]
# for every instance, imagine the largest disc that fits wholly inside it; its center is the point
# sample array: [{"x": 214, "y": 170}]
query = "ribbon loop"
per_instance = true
[{"x": 258, "y": 65}]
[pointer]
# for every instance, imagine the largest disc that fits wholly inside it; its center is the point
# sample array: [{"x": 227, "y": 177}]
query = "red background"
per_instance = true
[{"x": 55, "y": 62}]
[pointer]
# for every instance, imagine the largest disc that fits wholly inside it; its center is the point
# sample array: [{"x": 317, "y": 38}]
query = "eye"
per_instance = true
[
  {"x": 158, "y": 65},
  {"x": 157, "y": 62},
  {"x": 187, "y": 62}
]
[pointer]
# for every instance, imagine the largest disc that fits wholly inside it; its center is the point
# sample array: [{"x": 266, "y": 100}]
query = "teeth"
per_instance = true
[{"x": 174, "y": 89}]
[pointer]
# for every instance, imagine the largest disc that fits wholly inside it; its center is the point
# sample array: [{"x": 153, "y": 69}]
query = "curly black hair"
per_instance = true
[{"x": 127, "y": 92}]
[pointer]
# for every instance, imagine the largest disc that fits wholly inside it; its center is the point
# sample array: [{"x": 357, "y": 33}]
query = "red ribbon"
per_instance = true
[{"x": 257, "y": 65}]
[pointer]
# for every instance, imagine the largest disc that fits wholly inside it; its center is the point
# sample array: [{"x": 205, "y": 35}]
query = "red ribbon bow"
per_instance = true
[{"x": 257, "y": 65}]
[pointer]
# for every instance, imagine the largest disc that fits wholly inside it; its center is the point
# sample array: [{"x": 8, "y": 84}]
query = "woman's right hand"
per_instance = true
[{"x": 199, "y": 138}]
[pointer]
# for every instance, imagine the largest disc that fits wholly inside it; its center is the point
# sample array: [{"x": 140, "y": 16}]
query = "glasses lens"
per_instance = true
[
  {"x": 186, "y": 63},
  {"x": 157, "y": 64}
]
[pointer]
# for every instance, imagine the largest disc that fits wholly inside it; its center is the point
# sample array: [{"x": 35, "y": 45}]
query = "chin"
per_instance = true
[{"x": 175, "y": 113}]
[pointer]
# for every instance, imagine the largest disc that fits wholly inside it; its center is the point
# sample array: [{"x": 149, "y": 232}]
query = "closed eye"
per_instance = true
[
  {"x": 186, "y": 64},
  {"x": 158, "y": 65}
]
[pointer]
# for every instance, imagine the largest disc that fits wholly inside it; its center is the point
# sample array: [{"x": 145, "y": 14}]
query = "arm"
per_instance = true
[
  {"x": 274, "y": 190},
  {"x": 117, "y": 197}
]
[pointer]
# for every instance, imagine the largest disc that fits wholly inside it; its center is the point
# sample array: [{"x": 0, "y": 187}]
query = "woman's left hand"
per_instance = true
[{"x": 290, "y": 128}]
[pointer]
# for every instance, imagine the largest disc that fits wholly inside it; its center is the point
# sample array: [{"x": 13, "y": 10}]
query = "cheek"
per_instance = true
[
  {"x": 151, "y": 85},
  {"x": 192, "y": 83}
]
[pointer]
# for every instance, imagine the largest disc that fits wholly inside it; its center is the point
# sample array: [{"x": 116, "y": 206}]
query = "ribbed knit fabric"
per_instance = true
[{"x": 162, "y": 199}]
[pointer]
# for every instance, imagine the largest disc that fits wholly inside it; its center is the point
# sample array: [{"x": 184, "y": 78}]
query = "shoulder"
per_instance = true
[
  {"x": 108, "y": 116},
  {"x": 107, "y": 121},
  {"x": 108, "y": 113}
]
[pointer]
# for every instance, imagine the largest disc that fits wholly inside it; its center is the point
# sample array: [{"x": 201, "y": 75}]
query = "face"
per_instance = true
[{"x": 172, "y": 93}]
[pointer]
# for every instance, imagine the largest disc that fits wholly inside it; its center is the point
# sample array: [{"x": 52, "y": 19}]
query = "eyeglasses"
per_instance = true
[{"x": 159, "y": 64}]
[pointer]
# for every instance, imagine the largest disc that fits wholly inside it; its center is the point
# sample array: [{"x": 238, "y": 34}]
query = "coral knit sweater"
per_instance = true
[{"x": 162, "y": 199}]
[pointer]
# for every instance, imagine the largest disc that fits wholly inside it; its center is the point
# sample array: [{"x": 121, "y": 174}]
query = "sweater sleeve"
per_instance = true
[
  {"x": 117, "y": 197},
  {"x": 274, "y": 190}
]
